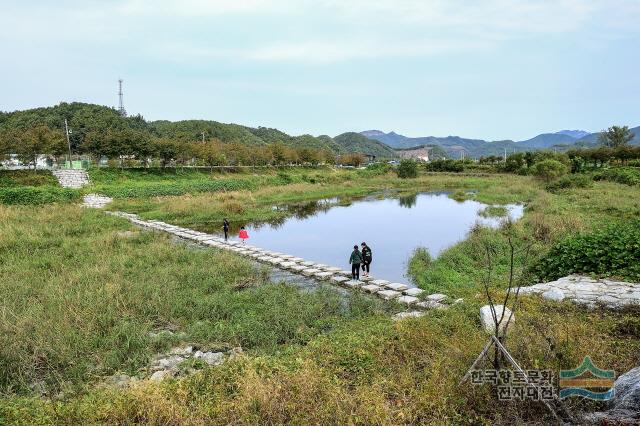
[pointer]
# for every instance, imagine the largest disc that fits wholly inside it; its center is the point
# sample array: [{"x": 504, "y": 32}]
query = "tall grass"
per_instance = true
[{"x": 79, "y": 299}]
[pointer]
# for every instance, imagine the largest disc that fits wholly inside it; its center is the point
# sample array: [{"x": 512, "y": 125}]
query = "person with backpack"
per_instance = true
[
  {"x": 367, "y": 257},
  {"x": 355, "y": 260},
  {"x": 225, "y": 228}
]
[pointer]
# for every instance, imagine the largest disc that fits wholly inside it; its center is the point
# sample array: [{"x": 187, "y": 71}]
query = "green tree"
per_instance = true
[
  {"x": 549, "y": 170},
  {"x": 40, "y": 140},
  {"x": 616, "y": 136},
  {"x": 407, "y": 169},
  {"x": 166, "y": 150}
]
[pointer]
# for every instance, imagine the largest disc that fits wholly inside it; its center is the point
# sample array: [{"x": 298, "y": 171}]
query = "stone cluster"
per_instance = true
[
  {"x": 588, "y": 291},
  {"x": 404, "y": 294},
  {"x": 72, "y": 178},
  {"x": 96, "y": 201}
]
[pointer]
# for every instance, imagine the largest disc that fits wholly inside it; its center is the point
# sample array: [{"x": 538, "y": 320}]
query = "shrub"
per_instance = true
[
  {"x": 624, "y": 175},
  {"x": 570, "y": 181},
  {"x": 610, "y": 251},
  {"x": 445, "y": 166},
  {"x": 407, "y": 169},
  {"x": 26, "y": 178},
  {"x": 37, "y": 195},
  {"x": 143, "y": 190},
  {"x": 419, "y": 262},
  {"x": 549, "y": 169}
]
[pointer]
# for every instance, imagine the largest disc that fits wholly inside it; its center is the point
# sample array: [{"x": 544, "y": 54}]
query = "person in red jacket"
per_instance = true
[{"x": 244, "y": 235}]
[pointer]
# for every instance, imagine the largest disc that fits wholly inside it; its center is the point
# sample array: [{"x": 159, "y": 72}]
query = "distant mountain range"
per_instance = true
[{"x": 455, "y": 145}]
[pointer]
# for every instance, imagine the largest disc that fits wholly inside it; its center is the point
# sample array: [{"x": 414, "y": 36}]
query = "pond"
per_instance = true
[{"x": 325, "y": 231}]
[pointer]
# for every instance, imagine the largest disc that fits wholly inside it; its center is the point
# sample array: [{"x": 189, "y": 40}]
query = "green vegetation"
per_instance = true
[
  {"x": 570, "y": 181},
  {"x": 616, "y": 136},
  {"x": 355, "y": 142},
  {"x": 612, "y": 251},
  {"x": 37, "y": 195},
  {"x": 16, "y": 178},
  {"x": 549, "y": 170},
  {"x": 407, "y": 169},
  {"x": 80, "y": 299},
  {"x": 624, "y": 175},
  {"x": 494, "y": 211}
]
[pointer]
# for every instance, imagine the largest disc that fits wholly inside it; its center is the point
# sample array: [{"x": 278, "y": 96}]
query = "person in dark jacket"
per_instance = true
[
  {"x": 225, "y": 228},
  {"x": 367, "y": 257},
  {"x": 355, "y": 260}
]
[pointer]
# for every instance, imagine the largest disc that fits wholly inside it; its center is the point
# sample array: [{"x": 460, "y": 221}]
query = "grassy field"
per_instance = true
[{"x": 80, "y": 297}]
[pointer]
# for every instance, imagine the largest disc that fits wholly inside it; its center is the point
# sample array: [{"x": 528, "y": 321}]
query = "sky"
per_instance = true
[{"x": 490, "y": 69}]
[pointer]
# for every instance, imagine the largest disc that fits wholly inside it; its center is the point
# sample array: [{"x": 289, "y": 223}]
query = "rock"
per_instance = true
[
  {"x": 554, "y": 294},
  {"x": 323, "y": 275},
  {"x": 397, "y": 286},
  {"x": 212, "y": 358},
  {"x": 431, "y": 304},
  {"x": 371, "y": 288},
  {"x": 380, "y": 283},
  {"x": 338, "y": 279},
  {"x": 410, "y": 314},
  {"x": 486, "y": 318},
  {"x": 352, "y": 283},
  {"x": 460, "y": 300},
  {"x": 310, "y": 272},
  {"x": 407, "y": 300},
  {"x": 437, "y": 297},
  {"x": 161, "y": 375},
  {"x": 625, "y": 404},
  {"x": 388, "y": 294},
  {"x": 169, "y": 362},
  {"x": 414, "y": 291},
  {"x": 181, "y": 351},
  {"x": 627, "y": 391}
]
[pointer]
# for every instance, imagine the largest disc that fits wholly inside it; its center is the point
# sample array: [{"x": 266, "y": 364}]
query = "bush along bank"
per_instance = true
[
  {"x": 37, "y": 195},
  {"x": 611, "y": 251}
]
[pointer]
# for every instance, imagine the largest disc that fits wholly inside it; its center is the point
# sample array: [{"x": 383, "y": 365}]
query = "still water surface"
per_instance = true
[{"x": 325, "y": 231}]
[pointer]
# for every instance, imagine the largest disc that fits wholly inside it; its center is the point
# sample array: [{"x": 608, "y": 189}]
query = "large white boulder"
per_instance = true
[
  {"x": 554, "y": 294},
  {"x": 486, "y": 318}
]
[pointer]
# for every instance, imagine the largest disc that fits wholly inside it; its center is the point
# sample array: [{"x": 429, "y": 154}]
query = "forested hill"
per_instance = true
[
  {"x": 84, "y": 118},
  {"x": 355, "y": 142}
]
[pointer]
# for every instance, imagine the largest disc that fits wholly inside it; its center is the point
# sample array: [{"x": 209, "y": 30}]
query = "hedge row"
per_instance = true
[
  {"x": 146, "y": 190},
  {"x": 37, "y": 195}
]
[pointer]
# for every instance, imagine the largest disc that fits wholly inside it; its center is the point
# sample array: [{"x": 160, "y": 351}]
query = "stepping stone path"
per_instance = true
[
  {"x": 96, "y": 201},
  {"x": 588, "y": 291},
  {"x": 403, "y": 294}
]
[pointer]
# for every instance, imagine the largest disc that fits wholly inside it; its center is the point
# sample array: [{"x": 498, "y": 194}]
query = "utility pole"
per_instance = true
[
  {"x": 66, "y": 132},
  {"x": 505, "y": 155},
  {"x": 202, "y": 137}
]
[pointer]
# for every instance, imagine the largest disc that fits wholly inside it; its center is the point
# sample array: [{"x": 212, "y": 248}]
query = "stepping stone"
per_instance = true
[
  {"x": 407, "y": 300},
  {"x": 307, "y": 263},
  {"x": 298, "y": 268},
  {"x": 430, "y": 304},
  {"x": 203, "y": 237},
  {"x": 380, "y": 283},
  {"x": 310, "y": 272},
  {"x": 333, "y": 269},
  {"x": 275, "y": 261},
  {"x": 397, "y": 286},
  {"x": 321, "y": 266},
  {"x": 286, "y": 264},
  {"x": 413, "y": 291},
  {"x": 371, "y": 288},
  {"x": 352, "y": 283},
  {"x": 323, "y": 275},
  {"x": 244, "y": 252},
  {"x": 338, "y": 279},
  {"x": 287, "y": 256},
  {"x": 211, "y": 243},
  {"x": 344, "y": 273},
  {"x": 410, "y": 314},
  {"x": 297, "y": 259},
  {"x": 265, "y": 258},
  {"x": 387, "y": 294},
  {"x": 437, "y": 297}
]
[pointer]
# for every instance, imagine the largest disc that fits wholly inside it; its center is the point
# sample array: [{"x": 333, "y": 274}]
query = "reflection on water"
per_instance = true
[{"x": 325, "y": 230}]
